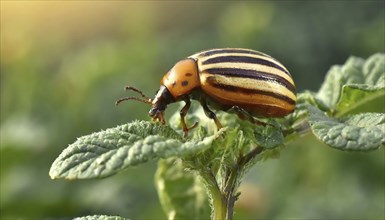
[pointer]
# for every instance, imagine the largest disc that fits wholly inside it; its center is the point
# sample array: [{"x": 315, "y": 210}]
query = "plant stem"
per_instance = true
[
  {"x": 219, "y": 205},
  {"x": 218, "y": 202},
  {"x": 223, "y": 196},
  {"x": 230, "y": 189}
]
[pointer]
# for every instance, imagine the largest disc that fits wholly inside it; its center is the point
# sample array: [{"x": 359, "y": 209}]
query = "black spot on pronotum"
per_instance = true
[
  {"x": 184, "y": 83},
  {"x": 188, "y": 74},
  {"x": 173, "y": 84}
]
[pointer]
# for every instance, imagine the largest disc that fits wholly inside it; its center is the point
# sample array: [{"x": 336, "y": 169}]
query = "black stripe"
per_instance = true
[
  {"x": 243, "y": 59},
  {"x": 214, "y": 83},
  {"x": 253, "y": 74},
  {"x": 234, "y": 50}
]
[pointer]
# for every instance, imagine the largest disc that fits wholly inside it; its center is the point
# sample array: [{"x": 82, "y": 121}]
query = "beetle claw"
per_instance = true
[
  {"x": 186, "y": 130},
  {"x": 193, "y": 126},
  {"x": 159, "y": 117}
]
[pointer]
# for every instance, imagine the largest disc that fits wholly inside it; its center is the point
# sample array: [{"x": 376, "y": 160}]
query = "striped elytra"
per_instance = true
[{"x": 247, "y": 81}]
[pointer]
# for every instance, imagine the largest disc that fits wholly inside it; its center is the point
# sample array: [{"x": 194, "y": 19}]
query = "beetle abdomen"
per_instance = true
[{"x": 248, "y": 79}]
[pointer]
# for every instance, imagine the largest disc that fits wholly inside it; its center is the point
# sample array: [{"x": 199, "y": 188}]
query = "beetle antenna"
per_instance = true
[
  {"x": 147, "y": 101},
  {"x": 137, "y": 91}
]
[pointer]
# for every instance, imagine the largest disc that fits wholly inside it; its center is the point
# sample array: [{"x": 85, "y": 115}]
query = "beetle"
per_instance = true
[{"x": 246, "y": 81}]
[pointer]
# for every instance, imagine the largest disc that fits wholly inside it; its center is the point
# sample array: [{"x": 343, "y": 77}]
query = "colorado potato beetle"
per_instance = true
[{"x": 248, "y": 82}]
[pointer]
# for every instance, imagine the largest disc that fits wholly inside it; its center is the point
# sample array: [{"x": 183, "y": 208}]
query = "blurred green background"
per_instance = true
[{"x": 63, "y": 64}]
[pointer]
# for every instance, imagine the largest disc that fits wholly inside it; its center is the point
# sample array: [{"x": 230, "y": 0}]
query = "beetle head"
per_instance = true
[{"x": 162, "y": 98}]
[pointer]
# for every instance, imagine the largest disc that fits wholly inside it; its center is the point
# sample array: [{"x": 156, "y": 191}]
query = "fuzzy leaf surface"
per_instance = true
[
  {"x": 107, "y": 152},
  {"x": 269, "y": 136},
  {"x": 100, "y": 217},
  {"x": 361, "y": 132}
]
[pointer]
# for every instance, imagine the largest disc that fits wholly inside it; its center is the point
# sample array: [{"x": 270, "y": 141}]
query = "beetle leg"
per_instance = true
[
  {"x": 183, "y": 113},
  {"x": 244, "y": 115},
  {"x": 210, "y": 113}
]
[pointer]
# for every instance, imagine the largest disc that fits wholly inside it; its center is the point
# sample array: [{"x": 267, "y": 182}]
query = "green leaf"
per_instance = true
[
  {"x": 361, "y": 132},
  {"x": 361, "y": 98},
  {"x": 181, "y": 192},
  {"x": 100, "y": 217},
  {"x": 309, "y": 97},
  {"x": 268, "y": 136},
  {"x": 354, "y": 84},
  {"x": 107, "y": 152}
]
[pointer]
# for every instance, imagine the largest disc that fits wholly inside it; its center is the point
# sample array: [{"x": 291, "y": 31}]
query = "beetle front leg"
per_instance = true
[
  {"x": 210, "y": 113},
  {"x": 183, "y": 113}
]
